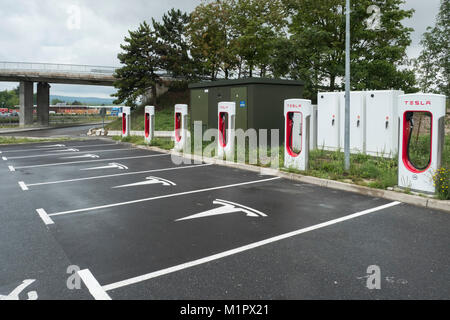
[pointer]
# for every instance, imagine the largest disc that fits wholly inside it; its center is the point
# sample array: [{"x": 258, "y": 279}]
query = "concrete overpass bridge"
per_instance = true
[{"x": 45, "y": 73}]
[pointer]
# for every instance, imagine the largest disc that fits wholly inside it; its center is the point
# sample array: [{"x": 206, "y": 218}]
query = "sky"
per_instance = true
[{"x": 90, "y": 32}]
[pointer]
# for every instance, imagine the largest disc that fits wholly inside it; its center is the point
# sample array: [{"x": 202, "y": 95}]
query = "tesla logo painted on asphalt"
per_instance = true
[
  {"x": 14, "y": 295},
  {"x": 225, "y": 208},
  {"x": 109, "y": 166},
  {"x": 149, "y": 180},
  {"x": 93, "y": 156}
]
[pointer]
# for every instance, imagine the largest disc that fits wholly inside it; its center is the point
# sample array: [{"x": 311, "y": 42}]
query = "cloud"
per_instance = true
[{"x": 38, "y": 31}]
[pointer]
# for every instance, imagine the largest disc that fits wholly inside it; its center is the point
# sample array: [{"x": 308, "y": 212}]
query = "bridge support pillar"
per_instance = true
[
  {"x": 26, "y": 103},
  {"x": 43, "y": 103}
]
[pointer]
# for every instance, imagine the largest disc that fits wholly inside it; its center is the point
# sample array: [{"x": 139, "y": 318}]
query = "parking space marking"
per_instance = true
[
  {"x": 52, "y": 146},
  {"x": 64, "y": 150},
  {"x": 66, "y": 153},
  {"x": 44, "y": 216},
  {"x": 83, "y": 146},
  {"x": 23, "y": 186},
  {"x": 87, "y": 155},
  {"x": 4, "y": 158},
  {"x": 161, "y": 197},
  {"x": 87, "y": 161},
  {"x": 254, "y": 245},
  {"x": 117, "y": 175},
  {"x": 93, "y": 286},
  {"x": 11, "y": 168}
]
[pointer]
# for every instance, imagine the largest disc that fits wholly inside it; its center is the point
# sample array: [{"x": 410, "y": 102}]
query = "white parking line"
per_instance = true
[
  {"x": 67, "y": 153},
  {"x": 254, "y": 245},
  {"x": 56, "y": 148},
  {"x": 93, "y": 286},
  {"x": 117, "y": 175},
  {"x": 161, "y": 197},
  {"x": 23, "y": 186},
  {"x": 88, "y": 161},
  {"x": 44, "y": 216}
]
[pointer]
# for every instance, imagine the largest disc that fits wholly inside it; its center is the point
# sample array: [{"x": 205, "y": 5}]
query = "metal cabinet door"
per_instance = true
[
  {"x": 199, "y": 106},
  {"x": 239, "y": 95},
  {"x": 328, "y": 120}
]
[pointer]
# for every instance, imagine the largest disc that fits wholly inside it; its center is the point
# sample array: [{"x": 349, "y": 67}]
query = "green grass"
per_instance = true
[
  {"x": 163, "y": 143},
  {"x": 17, "y": 140},
  {"x": 164, "y": 113}
]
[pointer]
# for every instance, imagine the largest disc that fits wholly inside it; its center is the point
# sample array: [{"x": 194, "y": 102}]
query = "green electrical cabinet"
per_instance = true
[
  {"x": 259, "y": 101},
  {"x": 199, "y": 98}
]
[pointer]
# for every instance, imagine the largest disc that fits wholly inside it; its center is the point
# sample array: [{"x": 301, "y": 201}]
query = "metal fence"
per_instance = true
[{"x": 54, "y": 67}]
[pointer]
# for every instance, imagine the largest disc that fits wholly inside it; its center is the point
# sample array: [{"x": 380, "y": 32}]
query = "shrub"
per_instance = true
[{"x": 441, "y": 181}]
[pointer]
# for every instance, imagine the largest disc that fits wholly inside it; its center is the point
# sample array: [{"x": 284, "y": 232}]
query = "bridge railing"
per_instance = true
[{"x": 56, "y": 67}]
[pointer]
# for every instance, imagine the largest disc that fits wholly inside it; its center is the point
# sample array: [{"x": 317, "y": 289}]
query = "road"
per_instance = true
[{"x": 73, "y": 131}]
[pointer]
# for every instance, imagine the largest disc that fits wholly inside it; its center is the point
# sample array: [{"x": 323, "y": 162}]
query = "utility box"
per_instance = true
[
  {"x": 382, "y": 124},
  {"x": 328, "y": 120},
  {"x": 357, "y": 121},
  {"x": 259, "y": 102},
  {"x": 313, "y": 128}
]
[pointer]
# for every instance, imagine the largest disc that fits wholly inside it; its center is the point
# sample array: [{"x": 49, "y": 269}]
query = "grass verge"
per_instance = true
[
  {"x": 19, "y": 140},
  {"x": 163, "y": 143}
]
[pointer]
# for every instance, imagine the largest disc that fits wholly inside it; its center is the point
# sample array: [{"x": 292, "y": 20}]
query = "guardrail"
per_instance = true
[{"x": 54, "y": 67}]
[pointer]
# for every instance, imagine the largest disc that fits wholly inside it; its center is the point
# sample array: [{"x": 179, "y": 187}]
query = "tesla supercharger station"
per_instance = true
[
  {"x": 126, "y": 113},
  {"x": 149, "y": 127},
  {"x": 328, "y": 120},
  {"x": 410, "y": 174},
  {"x": 297, "y": 115},
  {"x": 180, "y": 126},
  {"x": 226, "y": 114},
  {"x": 357, "y": 121},
  {"x": 382, "y": 124}
]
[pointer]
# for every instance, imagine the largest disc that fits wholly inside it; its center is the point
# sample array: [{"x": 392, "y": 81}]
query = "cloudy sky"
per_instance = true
[{"x": 49, "y": 31}]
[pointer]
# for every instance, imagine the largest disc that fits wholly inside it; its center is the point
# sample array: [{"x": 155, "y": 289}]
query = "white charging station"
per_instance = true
[
  {"x": 328, "y": 120},
  {"x": 357, "y": 121},
  {"x": 297, "y": 115},
  {"x": 149, "y": 126},
  {"x": 313, "y": 128},
  {"x": 382, "y": 124},
  {"x": 411, "y": 175},
  {"x": 226, "y": 114},
  {"x": 126, "y": 114},
  {"x": 180, "y": 126}
]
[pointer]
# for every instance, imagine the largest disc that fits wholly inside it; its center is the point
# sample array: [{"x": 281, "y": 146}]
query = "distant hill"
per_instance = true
[{"x": 85, "y": 100}]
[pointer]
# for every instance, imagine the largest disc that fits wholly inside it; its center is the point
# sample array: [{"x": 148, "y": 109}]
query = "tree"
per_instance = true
[
  {"x": 76, "y": 103},
  {"x": 9, "y": 98},
  {"x": 317, "y": 38},
  {"x": 258, "y": 26},
  {"x": 433, "y": 63},
  {"x": 56, "y": 101},
  {"x": 173, "y": 46},
  {"x": 141, "y": 63},
  {"x": 211, "y": 39}
]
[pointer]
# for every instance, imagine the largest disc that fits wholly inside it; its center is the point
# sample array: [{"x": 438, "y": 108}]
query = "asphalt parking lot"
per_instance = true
[{"x": 139, "y": 226}]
